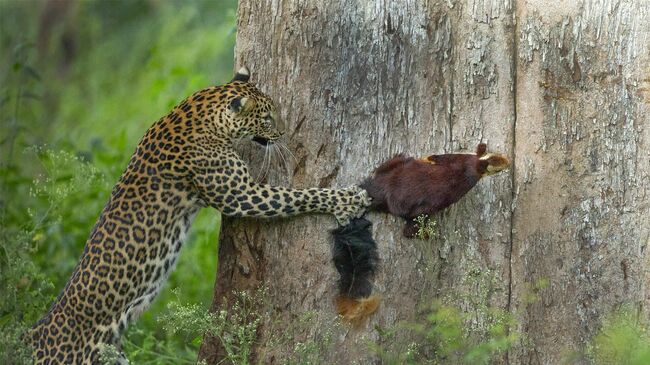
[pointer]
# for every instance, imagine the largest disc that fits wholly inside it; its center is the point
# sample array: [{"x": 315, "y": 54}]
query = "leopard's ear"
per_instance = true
[
  {"x": 241, "y": 106},
  {"x": 242, "y": 75}
]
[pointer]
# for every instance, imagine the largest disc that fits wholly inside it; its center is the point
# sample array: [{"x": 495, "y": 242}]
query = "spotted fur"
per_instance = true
[{"x": 184, "y": 162}]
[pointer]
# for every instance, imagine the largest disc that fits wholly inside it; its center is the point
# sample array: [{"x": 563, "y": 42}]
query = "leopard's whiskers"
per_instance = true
[
  {"x": 269, "y": 151},
  {"x": 284, "y": 146},
  {"x": 273, "y": 161},
  {"x": 284, "y": 160},
  {"x": 261, "y": 174},
  {"x": 261, "y": 168}
]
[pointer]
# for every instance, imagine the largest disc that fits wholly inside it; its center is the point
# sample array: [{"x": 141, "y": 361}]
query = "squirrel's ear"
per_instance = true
[
  {"x": 481, "y": 149},
  {"x": 242, "y": 75},
  {"x": 241, "y": 105}
]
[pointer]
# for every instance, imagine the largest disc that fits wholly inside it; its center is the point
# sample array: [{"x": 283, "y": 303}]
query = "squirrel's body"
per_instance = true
[{"x": 409, "y": 187}]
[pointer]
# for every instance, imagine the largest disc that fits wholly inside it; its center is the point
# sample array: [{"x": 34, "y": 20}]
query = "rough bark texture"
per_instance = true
[
  {"x": 566, "y": 94},
  {"x": 582, "y": 214}
]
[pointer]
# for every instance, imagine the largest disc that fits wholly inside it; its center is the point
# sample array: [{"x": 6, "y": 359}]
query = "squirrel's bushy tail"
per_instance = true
[{"x": 355, "y": 258}]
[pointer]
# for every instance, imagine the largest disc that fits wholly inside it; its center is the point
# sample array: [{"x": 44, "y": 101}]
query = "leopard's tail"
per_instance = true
[{"x": 355, "y": 258}]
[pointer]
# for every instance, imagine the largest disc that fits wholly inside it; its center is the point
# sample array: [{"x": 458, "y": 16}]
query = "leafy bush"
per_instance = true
[
  {"x": 67, "y": 129},
  {"x": 624, "y": 339},
  {"x": 234, "y": 325},
  {"x": 442, "y": 336}
]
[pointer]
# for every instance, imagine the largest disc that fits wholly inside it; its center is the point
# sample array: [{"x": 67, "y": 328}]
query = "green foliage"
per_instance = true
[
  {"x": 68, "y": 125},
  {"x": 464, "y": 327},
  {"x": 235, "y": 325},
  {"x": 170, "y": 54},
  {"x": 29, "y": 261},
  {"x": 313, "y": 349},
  {"x": 109, "y": 355},
  {"x": 624, "y": 339},
  {"x": 299, "y": 342},
  {"x": 443, "y": 336},
  {"x": 427, "y": 228}
]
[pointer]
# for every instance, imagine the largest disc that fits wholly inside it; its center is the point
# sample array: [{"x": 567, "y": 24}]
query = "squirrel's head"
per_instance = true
[
  {"x": 490, "y": 163},
  {"x": 482, "y": 163}
]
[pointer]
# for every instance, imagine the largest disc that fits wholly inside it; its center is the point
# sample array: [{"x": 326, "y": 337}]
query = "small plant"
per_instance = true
[
  {"x": 13, "y": 350},
  {"x": 624, "y": 339},
  {"x": 235, "y": 327},
  {"x": 109, "y": 355},
  {"x": 27, "y": 289},
  {"x": 300, "y": 339},
  {"x": 313, "y": 349},
  {"x": 427, "y": 228},
  {"x": 442, "y": 337},
  {"x": 479, "y": 333}
]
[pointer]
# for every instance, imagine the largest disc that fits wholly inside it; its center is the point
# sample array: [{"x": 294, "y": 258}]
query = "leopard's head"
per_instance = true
[{"x": 251, "y": 112}]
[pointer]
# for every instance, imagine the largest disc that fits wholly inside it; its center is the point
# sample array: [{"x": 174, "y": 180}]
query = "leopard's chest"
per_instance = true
[
  {"x": 169, "y": 248},
  {"x": 161, "y": 260},
  {"x": 128, "y": 257},
  {"x": 142, "y": 239}
]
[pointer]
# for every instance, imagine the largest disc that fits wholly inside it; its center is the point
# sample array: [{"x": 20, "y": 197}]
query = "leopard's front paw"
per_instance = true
[{"x": 353, "y": 204}]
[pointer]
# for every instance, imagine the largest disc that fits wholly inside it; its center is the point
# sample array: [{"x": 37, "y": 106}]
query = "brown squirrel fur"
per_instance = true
[{"x": 408, "y": 187}]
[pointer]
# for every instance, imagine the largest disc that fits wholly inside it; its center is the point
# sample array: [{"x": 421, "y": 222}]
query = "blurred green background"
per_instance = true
[{"x": 80, "y": 83}]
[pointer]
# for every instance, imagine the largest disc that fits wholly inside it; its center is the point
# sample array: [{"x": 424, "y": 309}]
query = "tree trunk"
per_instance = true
[
  {"x": 582, "y": 215},
  {"x": 564, "y": 94}
]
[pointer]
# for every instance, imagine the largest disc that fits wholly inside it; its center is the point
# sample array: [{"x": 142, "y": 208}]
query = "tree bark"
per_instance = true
[
  {"x": 581, "y": 217},
  {"x": 565, "y": 94}
]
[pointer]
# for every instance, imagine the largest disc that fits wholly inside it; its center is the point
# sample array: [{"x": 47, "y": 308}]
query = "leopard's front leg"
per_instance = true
[{"x": 229, "y": 188}]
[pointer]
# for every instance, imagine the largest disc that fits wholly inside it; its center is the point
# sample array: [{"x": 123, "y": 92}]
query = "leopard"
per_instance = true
[{"x": 186, "y": 161}]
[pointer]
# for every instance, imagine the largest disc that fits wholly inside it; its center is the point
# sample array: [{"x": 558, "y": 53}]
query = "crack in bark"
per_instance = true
[
  {"x": 513, "y": 176},
  {"x": 451, "y": 110}
]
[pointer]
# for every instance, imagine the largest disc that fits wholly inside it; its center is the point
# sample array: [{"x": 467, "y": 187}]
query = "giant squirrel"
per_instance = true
[{"x": 406, "y": 187}]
